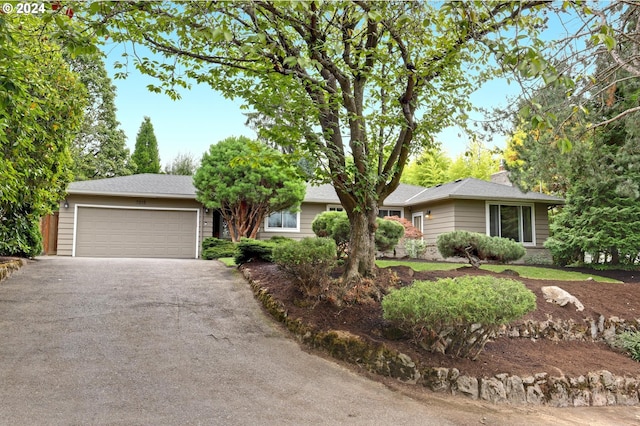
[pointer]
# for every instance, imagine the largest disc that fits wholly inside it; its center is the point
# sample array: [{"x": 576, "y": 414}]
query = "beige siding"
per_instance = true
[
  {"x": 542, "y": 224},
  {"x": 470, "y": 215},
  {"x": 66, "y": 218},
  {"x": 439, "y": 221}
]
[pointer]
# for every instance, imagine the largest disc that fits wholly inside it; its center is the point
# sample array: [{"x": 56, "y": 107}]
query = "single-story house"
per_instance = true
[{"x": 154, "y": 215}]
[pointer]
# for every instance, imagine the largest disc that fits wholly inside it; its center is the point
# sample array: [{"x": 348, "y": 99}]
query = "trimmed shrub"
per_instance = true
[
  {"x": 388, "y": 234},
  {"x": 308, "y": 261},
  {"x": 214, "y": 248},
  {"x": 457, "y": 315},
  {"x": 415, "y": 248},
  {"x": 336, "y": 225},
  {"x": 476, "y": 247},
  {"x": 250, "y": 249},
  {"x": 630, "y": 342}
]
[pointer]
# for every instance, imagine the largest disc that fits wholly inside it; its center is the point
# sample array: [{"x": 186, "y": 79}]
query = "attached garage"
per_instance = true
[
  {"x": 126, "y": 232},
  {"x": 144, "y": 215}
]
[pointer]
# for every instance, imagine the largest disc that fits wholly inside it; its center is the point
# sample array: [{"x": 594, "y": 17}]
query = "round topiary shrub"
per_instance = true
[{"x": 457, "y": 315}]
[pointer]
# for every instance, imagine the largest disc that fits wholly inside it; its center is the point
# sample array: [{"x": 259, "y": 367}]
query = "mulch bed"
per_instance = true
[{"x": 520, "y": 356}]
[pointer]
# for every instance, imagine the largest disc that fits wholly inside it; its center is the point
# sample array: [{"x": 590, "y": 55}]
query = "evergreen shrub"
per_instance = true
[
  {"x": 308, "y": 261},
  {"x": 250, "y": 249},
  {"x": 476, "y": 247},
  {"x": 457, "y": 315},
  {"x": 415, "y": 248}
]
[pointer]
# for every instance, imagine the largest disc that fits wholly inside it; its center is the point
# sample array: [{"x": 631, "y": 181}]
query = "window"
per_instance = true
[
  {"x": 388, "y": 212},
  {"x": 284, "y": 220},
  {"x": 511, "y": 221}
]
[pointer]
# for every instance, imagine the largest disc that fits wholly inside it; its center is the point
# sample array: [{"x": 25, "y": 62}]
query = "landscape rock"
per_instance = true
[{"x": 555, "y": 294}]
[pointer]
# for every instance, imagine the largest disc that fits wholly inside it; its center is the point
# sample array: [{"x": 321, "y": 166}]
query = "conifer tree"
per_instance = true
[{"x": 145, "y": 156}]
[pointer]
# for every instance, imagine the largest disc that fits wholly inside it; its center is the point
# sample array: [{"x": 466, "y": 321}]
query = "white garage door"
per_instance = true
[{"x": 109, "y": 232}]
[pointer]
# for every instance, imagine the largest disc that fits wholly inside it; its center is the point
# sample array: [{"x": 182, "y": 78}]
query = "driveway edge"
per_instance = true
[{"x": 8, "y": 267}]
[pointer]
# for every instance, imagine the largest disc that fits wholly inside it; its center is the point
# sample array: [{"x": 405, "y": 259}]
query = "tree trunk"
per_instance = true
[{"x": 362, "y": 248}]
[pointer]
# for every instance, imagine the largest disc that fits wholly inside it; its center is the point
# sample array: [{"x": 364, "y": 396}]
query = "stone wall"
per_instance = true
[
  {"x": 7, "y": 267},
  {"x": 595, "y": 389}
]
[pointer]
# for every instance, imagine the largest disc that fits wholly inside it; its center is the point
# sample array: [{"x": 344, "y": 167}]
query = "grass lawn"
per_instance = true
[
  {"x": 533, "y": 272},
  {"x": 228, "y": 261}
]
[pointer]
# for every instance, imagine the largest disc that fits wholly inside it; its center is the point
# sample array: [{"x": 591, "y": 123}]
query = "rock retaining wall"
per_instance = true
[
  {"x": 595, "y": 389},
  {"x": 7, "y": 268}
]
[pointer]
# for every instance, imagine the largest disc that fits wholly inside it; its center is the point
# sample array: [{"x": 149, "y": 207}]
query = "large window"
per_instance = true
[
  {"x": 284, "y": 220},
  {"x": 512, "y": 221},
  {"x": 389, "y": 212}
]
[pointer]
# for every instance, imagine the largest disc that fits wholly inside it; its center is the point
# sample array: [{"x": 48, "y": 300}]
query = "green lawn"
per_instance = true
[
  {"x": 534, "y": 272},
  {"x": 228, "y": 261}
]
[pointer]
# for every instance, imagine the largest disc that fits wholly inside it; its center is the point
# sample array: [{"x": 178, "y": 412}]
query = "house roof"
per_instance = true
[
  {"x": 142, "y": 185},
  {"x": 172, "y": 186},
  {"x": 476, "y": 189}
]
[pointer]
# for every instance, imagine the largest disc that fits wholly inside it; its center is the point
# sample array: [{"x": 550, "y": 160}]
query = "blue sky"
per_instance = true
[{"x": 203, "y": 117}]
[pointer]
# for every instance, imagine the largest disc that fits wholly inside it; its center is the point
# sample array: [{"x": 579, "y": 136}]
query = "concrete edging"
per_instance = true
[{"x": 600, "y": 388}]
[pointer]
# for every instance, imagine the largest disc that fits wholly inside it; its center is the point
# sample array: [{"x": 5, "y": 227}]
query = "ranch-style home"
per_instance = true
[{"x": 153, "y": 215}]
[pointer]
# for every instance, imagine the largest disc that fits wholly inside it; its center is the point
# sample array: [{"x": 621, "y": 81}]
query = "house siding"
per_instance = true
[
  {"x": 66, "y": 217},
  {"x": 470, "y": 215}
]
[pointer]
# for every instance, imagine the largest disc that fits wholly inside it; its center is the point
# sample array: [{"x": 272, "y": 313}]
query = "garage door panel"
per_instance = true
[{"x": 107, "y": 232}]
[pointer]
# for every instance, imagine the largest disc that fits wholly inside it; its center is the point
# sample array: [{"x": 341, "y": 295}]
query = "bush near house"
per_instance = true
[
  {"x": 477, "y": 247},
  {"x": 457, "y": 315},
  {"x": 415, "y": 248},
  {"x": 309, "y": 263},
  {"x": 336, "y": 225},
  {"x": 249, "y": 249},
  {"x": 215, "y": 248}
]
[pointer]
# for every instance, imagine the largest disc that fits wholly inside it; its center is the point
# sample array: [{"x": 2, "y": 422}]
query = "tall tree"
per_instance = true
[
  {"x": 429, "y": 169},
  {"x": 41, "y": 106},
  {"x": 361, "y": 79},
  {"x": 477, "y": 162},
  {"x": 247, "y": 181},
  {"x": 183, "y": 164},
  {"x": 99, "y": 149},
  {"x": 145, "y": 155}
]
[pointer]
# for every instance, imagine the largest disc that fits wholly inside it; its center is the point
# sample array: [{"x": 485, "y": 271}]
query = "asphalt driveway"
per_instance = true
[{"x": 155, "y": 341}]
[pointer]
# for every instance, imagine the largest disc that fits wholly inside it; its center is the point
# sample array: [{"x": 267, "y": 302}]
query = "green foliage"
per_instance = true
[
  {"x": 630, "y": 342},
  {"x": 41, "y": 107},
  {"x": 457, "y": 316},
  {"x": 145, "y": 155},
  {"x": 336, "y": 225},
  {"x": 388, "y": 234},
  {"x": 99, "y": 148},
  {"x": 20, "y": 233},
  {"x": 247, "y": 181},
  {"x": 183, "y": 164},
  {"x": 249, "y": 249},
  {"x": 475, "y": 247},
  {"x": 477, "y": 162},
  {"x": 429, "y": 169},
  {"x": 214, "y": 248},
  {"x": 308, "y": 261},
  {"x": 415, "y": 248}
]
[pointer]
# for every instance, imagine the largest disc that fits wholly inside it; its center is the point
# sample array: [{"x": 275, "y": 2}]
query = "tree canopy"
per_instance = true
[
  {"x": 247, "y": 181},
  {"x": 145, "y": 155},
  {"x": 99, "y": 149},
  {"x": 41, "y": 107},
  {"x": 182, "y": 164},
  {"x": 370, "y": 81}
]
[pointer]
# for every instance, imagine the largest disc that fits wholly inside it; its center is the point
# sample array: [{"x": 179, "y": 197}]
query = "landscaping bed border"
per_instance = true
[{"x": 599, "y": 388}]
